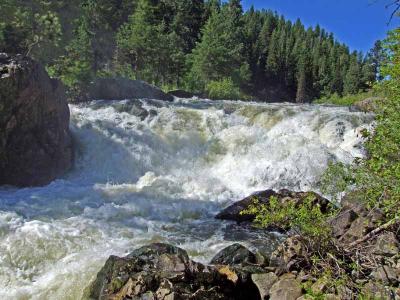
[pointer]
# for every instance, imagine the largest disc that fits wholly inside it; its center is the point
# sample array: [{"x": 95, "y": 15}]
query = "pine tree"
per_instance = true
[
  {"x": 219, "y": 55},
  {"x": 376, "y": 57},
  {"x": 142, "y": 46}
]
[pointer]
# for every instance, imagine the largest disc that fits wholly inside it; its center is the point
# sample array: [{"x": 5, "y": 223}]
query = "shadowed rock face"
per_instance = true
[
  {"x": 122, "y": 88},
  {"x": 35, "y": 142}
]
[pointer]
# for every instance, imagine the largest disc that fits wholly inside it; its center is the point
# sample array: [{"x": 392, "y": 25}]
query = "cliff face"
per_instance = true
[{"x": 35, "y": 142}]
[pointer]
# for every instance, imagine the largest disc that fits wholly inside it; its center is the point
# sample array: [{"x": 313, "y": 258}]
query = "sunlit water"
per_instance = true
[{"x": 150, "y": 171}]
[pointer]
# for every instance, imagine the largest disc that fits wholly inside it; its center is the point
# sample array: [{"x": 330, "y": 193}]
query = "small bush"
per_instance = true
[
  {"x": 305, "y": 218},
  {"x": 377, "y": 178},
  {"x": 346, "y": 100},
  {"x": 224, "y": 89}
]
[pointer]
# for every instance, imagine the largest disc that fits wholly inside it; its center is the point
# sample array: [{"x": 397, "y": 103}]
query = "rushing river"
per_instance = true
[{"x": 150, "y": 171}]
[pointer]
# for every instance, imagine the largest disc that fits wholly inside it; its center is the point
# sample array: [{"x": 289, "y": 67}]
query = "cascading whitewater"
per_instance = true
[{"x": 151, "y": 171}]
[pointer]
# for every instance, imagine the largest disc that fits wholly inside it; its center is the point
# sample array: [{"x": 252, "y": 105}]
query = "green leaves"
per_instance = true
[
  {"x": 223, "y": 89},
  {"x": 376, "y": 179},
  {"x": 303, "y": 216}
]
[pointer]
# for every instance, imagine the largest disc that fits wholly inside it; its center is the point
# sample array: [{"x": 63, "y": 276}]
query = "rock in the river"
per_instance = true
[
  {"x": 35, "y": 142},
  {"x": 233, "y": 212},
  {"x": 235, "y": 254},
  {"x": 162, "y": 271},
  {"x": 122, "y": 88},
  {"x": 183, "y": 94}
]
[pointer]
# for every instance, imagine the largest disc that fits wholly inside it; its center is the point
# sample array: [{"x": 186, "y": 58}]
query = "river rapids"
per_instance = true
[{"x": 150, "y": 171}]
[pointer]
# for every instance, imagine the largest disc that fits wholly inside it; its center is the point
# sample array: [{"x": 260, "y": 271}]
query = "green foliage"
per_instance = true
[
  {"x": 306, "y": 217},
  {"x": 376, "y": 179},
  {"x": 147, "y": 49},
  {"x": 186, "y": 44},
  {"x": 346, "y": 100},
  {"x": 219, "y": 55},
  {"x": 28, "y": 28},
  {"x": 75, "y": 68},
  {"x": 223, "y": 89}
]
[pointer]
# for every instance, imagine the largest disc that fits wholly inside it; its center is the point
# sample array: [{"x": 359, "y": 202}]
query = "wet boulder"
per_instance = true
[
  {"x": 162, "y": 271},
  {"x": 35, "y": 141},
  {"x": 235, "y": 254}
]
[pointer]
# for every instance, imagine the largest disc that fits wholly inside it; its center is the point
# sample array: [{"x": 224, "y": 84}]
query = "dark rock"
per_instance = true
[
  {"x": 233, "y": 212},
  {"x": 342, "y": 222},
  {"x": 264, "y": 282},
  {"x": 35, "y": 141},
  {"x": 385, "y": 274},
  {"x": 183, "y": 94},
  {"x": 290, "y": 255},
  {"x": 133, "y": 107},
  {"x": 122, "y": 88},
  {"x": 355, "y": 202},
  {"x": 359, "y": 228},
  {"x": 162, "y": 271},
  {"x": 286, "y": 288},
  {"x": 235, "y": 254},
  {"x": 386, "y": 245}
]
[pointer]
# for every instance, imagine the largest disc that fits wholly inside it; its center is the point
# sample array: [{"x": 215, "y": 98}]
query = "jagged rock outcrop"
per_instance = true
[
  {"x": 162, "y": 271},
  {"x": 123, "y": 88},
  {"x": 35, "y": 141}
]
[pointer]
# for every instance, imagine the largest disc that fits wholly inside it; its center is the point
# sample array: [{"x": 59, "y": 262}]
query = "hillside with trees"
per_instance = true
[{"x": 200, "y": 46}]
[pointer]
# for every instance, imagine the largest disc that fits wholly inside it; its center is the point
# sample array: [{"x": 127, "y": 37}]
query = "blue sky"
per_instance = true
[{"x": 358, "y": 23}]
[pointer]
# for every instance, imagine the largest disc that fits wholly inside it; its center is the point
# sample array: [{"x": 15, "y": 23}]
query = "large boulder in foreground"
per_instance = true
[
  {"x": 35, "y": 141},
  {"x": 162, "y": 271},
  {"x": 123, "y": 88}
]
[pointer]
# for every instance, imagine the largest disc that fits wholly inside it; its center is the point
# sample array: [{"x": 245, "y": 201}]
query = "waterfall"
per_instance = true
[{"x": 149, "y": 171}]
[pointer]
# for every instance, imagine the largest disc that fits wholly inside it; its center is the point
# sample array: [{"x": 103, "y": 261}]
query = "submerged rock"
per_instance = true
[
  {"x": 123, "y": 88},
  {"x": 162, "y": 271},
  {"x": 35, "y": 141}
]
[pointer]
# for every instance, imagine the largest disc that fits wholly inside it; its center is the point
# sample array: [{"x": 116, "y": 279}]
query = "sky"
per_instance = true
[{"x": 357, "y": 23}]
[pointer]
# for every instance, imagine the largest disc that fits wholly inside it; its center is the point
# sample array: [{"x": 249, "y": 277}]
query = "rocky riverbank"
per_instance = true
[{"x": 161, "y": 271}]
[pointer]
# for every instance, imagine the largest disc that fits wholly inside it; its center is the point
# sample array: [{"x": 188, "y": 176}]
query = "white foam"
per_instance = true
[{"x": 161, "y": 178}]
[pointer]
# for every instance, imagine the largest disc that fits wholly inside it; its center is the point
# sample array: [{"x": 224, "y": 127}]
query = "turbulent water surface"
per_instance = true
[{"x": 150, "y": 171}]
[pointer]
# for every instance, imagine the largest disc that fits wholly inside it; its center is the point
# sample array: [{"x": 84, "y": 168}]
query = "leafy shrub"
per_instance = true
[
  {"x": 377, "y": 178},
  {"x": 223, "y": 89},
  {"x": 305, "y": 218}
]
